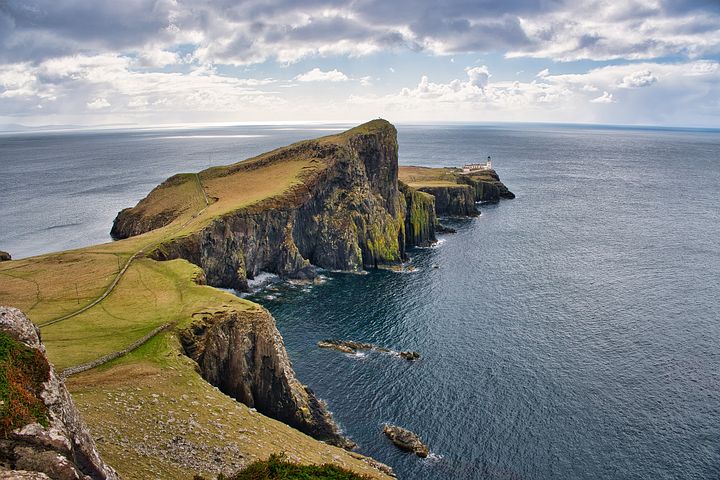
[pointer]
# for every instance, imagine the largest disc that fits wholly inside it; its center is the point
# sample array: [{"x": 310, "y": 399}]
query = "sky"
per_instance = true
[{"x": 151, "y": 62}]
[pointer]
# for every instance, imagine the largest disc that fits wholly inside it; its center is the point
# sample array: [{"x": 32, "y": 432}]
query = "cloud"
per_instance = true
[
  {"x": 478, "y": 76},
  {"x": 68, "y": 87},
  {"x": 317, "y": 75},
  {"x": 253, "y": 31},
  {"x": 604, "y": 98},
  {"x": 543, "y": 73},
  {"x": 688, "y": 96},
  {"x": 98, "y": 103},
  {"x": 643, "y": 78}
]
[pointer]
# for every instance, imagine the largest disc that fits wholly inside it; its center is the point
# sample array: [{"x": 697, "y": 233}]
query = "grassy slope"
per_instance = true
[
  {"x": 150, "y": 294},
  {"x": 418, "y": 177}
]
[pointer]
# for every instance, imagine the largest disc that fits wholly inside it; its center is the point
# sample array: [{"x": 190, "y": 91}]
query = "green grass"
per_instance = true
[
  {"x": 23, "y": 370},
  {"x": 277, "y": 468}
]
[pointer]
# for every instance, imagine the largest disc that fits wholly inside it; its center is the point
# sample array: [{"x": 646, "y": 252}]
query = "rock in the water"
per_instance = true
[
  {"x": 410, "y": 356},
  {"x": 4, "y": 256},
  {"x": 345, "y": 346},
  {"x": 440, "y": 228},
  {"x": 406, "y": 440},
  {"x": 350, "y": 346},
  {"x": 49, "y": 438}
]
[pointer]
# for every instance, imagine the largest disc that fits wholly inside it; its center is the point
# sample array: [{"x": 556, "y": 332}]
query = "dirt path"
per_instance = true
[{"x": 125, "y": 267}]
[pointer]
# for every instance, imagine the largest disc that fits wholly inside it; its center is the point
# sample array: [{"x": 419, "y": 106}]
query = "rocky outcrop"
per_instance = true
[
  {"x": 406, "y": 440},
  {"x": 42, "y": 433},
  {"x": 351, "y": 346},
  {"x": 242, "y": 353},
  {"x": 347, "y": 213},
  {"x": 453, "y": 200},
  {"x": 486, "y": 186},
  {"x": 4, "y": 256},
  {"x": 420, "y": 218}
]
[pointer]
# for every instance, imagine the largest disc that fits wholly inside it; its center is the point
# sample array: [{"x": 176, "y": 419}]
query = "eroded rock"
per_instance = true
[
  {"x": 406, "y": 440},
  {"x": 54, "y": 441}
]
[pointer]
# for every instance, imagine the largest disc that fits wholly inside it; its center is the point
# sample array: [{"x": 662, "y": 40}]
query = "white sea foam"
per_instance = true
[{"x": 261, "y": 280}]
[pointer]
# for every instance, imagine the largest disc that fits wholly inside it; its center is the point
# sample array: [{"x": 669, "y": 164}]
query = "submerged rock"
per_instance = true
[
  {"x": 43, "y": 435},
  {"x": 410, "y": 356},
  {"x": 345, "y": 346},
  {"x": 406, "y": 440},
  {"x": 4, "y": 256},
  {"x": 350, "y": 346}
]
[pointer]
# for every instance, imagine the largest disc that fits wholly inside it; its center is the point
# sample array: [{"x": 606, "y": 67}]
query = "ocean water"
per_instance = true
[{"x": 571, "y": 333}]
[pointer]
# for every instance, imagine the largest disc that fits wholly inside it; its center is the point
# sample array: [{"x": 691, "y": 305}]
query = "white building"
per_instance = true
[{"x": 477, "y": 167}]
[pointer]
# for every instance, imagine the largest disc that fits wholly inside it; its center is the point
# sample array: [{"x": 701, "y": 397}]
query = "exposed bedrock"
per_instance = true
[
  {"x": 486, "y": 187},
  {"x": 242, "y": 353},
  {"x": 420, "y": 218},
  {"x": 42, "y": 432},
  {"x": 453, "y": 201}
]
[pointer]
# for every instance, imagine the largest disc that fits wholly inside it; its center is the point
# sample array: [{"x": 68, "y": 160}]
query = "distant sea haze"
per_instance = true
[{"x": 571, "y": 333}]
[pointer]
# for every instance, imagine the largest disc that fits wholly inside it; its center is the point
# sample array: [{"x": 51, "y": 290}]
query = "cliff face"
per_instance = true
[
  {"x": 420, "y": 217},
  {"x": 486, "y": 186},
  {"x": 42, "y": 429},
  {"x": 455, "y": 200},
  {"x": 346, "y": 213},
  {"x": 242, "y": 353}
]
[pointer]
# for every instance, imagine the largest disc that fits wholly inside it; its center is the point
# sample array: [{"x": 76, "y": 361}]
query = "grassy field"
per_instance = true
[
  {"x": 153, "y": 415},
  {"x": 417, "y": 177}
]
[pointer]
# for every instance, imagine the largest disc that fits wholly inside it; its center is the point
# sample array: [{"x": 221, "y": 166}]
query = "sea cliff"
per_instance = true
[{"x": 343, "y": 210}]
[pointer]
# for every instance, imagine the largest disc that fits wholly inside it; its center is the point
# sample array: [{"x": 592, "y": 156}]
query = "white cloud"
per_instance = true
[
  {"x": 543, "y": 73},
  {"x": 604, "y": 98},
  {"x": 98, "y": 103},
  {"x": 478, "y": 76},
  {"x": 568, "y": 97},
  {"x": 366, "y": 81},
  {"x": 317, "y": 75},
  {"x": 642, "y": 78}
]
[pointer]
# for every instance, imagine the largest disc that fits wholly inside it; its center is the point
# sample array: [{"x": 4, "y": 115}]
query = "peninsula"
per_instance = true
[{"x": 174, "y": 377}]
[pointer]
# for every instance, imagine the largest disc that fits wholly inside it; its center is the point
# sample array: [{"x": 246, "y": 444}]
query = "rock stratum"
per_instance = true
[{"x": 43, "y": 435}]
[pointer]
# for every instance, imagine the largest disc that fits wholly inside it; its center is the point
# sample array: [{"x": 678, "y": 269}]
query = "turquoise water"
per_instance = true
[{"x": 571, "y": 333}]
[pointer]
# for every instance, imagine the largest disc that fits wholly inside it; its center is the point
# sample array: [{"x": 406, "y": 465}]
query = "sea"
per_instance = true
[{"x": 570, "y": 333}]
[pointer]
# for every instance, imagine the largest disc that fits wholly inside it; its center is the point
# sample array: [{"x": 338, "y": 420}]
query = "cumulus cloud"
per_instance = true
[
  {"x": 643, "y": 78},
  {"x": 317, "y": 75},
  {"x": 569, "y": 97}
]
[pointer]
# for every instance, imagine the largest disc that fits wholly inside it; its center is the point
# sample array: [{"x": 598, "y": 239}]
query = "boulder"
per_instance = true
[{"x": 406, "y": 440}]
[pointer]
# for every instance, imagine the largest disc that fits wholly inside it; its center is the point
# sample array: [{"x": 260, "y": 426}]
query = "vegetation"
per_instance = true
[
  {"x": 277, "y": 468},
  {"x": 23, "y": 370}
]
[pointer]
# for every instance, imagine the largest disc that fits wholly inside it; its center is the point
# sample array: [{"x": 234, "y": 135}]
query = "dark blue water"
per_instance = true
[{"x": 571, "y": 333}]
